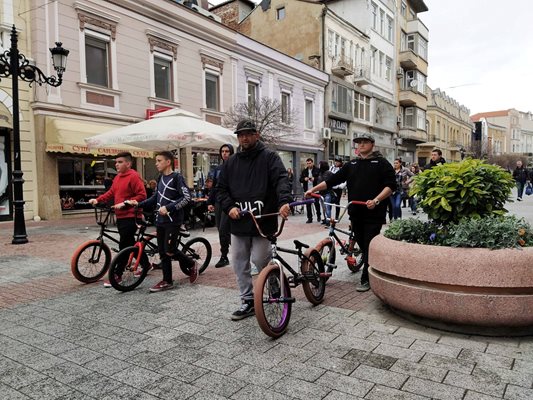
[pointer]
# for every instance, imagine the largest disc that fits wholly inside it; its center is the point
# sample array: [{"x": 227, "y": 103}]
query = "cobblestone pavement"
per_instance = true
[{"x": 60, "y": 339}]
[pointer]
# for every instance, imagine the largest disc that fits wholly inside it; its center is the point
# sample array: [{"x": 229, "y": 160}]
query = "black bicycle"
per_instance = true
[
  {"x": 131, "y": 265},
  {"x": 91, "y": 259},
  {"x": 350, "y": 249},
  {"x": 272, "y": 290}
]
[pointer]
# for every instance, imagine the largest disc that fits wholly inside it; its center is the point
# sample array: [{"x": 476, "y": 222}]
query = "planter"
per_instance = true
[{"x": 481, "y": 291}]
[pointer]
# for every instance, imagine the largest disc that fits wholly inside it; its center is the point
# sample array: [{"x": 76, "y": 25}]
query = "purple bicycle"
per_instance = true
[{"x": 272, "y": 290}]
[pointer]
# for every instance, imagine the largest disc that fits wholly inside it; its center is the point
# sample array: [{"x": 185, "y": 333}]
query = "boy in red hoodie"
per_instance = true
[{"x": 127, "y": 185}]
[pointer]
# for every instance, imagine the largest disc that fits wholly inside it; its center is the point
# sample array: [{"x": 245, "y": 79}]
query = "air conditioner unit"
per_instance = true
[
  {"x": 326, "y": 133},
  {"x": 399, "y": 72}
]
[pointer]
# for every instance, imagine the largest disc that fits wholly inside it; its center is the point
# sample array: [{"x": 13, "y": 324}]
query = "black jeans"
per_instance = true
[
  {"x": 223, "y": 225},
  {"x": 310, "y": 211},
  {"x": 364, "y": 233},
  {"x": 338, "y": 195},
  {"x": 126, "y": 229},
  {"x": 166, "y": 244}
]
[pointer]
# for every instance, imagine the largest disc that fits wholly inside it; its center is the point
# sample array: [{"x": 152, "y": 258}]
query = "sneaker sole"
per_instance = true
[
  {"x": 239, "y": 317},
  {"x": 152, "y": 290}
]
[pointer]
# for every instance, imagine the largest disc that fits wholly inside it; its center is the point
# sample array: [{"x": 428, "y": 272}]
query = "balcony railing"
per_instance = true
[
  {"x": 361, "y": 75},
  {"x": 342, "y": 66}
]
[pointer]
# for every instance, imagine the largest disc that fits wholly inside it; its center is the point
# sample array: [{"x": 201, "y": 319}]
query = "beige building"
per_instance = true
[
  {"x": 412, "y": 44},
  {"x": 12, "y": 13},
  {"x": 449, "y": 128}
]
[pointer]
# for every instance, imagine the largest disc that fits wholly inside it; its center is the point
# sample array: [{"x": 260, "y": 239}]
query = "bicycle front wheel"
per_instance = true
[
  {"x": 199, "y": 249},
  {"x": 314, "y": 282},
  {"x": 90, "y": 261},
  {"x": 328, "y": 254},
  {"x": 272, "y": 312},
  {"x": 126, "y": 271}
]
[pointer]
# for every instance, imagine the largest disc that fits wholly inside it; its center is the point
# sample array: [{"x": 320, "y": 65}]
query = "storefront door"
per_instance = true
[{"x": 6, "y": 208}]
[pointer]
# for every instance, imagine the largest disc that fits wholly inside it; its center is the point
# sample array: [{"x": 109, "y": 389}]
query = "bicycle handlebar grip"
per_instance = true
[
  {"x": 242, "y": 213},
  {"x": 361, "y": 203},
  {"x": 316, "y": 195},
  {"x": 301, "y": 202}
]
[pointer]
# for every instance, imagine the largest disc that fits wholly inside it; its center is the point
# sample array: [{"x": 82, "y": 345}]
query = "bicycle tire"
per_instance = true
[
  {"x": 358, "y": 255},
  {"x": 124, "y": 272},
  {"x": 95, "y": 268},
  {"x": 328, "y": 253},
  {"x": 313, "y": 284},
  {"x": 199, "y": 249},
  {"x": 273, "y": 317}
]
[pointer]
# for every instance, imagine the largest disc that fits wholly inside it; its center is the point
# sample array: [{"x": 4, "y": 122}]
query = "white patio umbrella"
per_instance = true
[{"x": 167, "y": 130}]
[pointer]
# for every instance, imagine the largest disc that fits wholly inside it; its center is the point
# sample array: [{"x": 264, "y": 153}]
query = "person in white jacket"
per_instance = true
[{"x": 337, "y": 165}]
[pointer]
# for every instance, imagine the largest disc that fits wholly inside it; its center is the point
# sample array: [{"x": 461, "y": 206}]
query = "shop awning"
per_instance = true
[{"x": 67, "y": 136}]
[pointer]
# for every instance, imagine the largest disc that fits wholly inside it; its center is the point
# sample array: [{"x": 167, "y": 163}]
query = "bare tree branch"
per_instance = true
[{"x": 267, "y": 115}]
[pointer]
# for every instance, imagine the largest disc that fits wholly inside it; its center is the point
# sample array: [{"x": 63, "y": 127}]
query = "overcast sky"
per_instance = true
[{"x": 481, "y": 52}]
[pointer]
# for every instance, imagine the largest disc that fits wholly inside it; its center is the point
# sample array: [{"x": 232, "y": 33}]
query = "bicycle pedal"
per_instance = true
[{"x": 287, "y": 299}]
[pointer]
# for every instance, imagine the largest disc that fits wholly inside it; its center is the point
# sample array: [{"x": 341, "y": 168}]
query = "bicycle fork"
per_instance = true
[
  {"x": 283, "y": 288},
  {"x": 140, "y": 246}
]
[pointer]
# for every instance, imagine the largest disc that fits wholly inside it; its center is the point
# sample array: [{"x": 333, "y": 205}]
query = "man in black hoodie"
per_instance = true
[
  {"x": 369, "y": 178},
  {"x": 436, "y": 159},
  {"x": 221, "y": 218},
  {"x": 253, "y": 179}
]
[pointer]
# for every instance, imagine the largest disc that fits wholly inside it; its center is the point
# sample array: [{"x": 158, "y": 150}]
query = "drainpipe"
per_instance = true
[{"x": 323, "y": 65}]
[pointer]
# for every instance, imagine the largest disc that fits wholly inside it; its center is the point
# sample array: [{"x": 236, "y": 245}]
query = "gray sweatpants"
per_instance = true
[{"x": 242, "y": 249}]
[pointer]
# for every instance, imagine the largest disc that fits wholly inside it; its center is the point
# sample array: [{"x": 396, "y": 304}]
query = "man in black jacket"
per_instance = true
[
  {"x": 436, "y": 159},
  {"x": 308, "y": 178},
  {"x": 369, "y": 178},
  {"x": 253, "y": 179}
]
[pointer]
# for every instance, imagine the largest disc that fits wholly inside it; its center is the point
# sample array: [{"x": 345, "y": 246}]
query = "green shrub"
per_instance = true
[
  {"x": 493, "y": 232},
  {"x": 470, "y": 189}
]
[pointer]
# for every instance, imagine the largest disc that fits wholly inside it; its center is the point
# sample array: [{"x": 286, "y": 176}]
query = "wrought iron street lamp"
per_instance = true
[{"x": 16, "y": 65}]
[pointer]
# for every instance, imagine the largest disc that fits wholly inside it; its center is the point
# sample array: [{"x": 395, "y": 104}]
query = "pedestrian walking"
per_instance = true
[
  {"x": 169, "y": 200},
  {"x": 328, "y": 194},
  {"x": 308, "y": 178},
  {"x": 402, "y": 174},
  {"x": 337, "y": 165},
  {"x": 370, "y": 178},
  {"x": 254, "y": 179},
  {"x": 127, "y": 185},
  {"x": 521, "y": 176}
]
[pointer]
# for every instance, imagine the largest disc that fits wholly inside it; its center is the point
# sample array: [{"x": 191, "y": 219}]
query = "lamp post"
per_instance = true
[{"x": 16, "y": 65}]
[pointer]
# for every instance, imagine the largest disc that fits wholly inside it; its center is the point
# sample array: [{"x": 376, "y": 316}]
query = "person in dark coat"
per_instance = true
[
  {"x": 521, "y": 176},
  {"x": 436, "y": 159},
  {"x": 308, "y": 178}
]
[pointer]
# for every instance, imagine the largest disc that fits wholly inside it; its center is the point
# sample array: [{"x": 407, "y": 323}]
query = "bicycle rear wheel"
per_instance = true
[
  {"x": 357, "y": 262},
  {"x": 314, "y": 283},
  {"x": 126, "y": 271},
  {"x": 90, "y": 261},
  {"x": 199, "y": 249},
  {"x": 272, "y": 314},
  {"x": 328, "y": 254}
]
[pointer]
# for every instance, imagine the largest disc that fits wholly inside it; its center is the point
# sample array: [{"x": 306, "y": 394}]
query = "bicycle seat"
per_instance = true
[{"x": 300, "y": 245}]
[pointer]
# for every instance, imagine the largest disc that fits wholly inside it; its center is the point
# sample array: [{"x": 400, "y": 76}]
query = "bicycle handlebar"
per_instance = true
[{"x": 323, "y": 205}]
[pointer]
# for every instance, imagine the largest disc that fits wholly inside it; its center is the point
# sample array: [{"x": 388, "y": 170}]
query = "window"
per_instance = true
[
  {"x": 374, "y": 16},
  {"x": 403, "y": 41},
  {"x": 331, "y": 38},
  {"x": 382, "y": 22},
  {"x": 420, "y": 119},
  {"x": 415, "y": 118},
  {"x": 280, "y": 13},
  {"x": 285, "y": 107},
  {"x": 409, "y": 119},
  {"x": 404, "y": 9},
  {"x": 341, "y": 99},
  {"x": 253, "y": 93},
  {"x": 211, "y": 91},
  {"x": 362, "y": 106},
  {"x": 381, "y": 63},
  {"x": 422, "y": 48},
  {"x": 309, "y": 117},
  {"x": 411, "y": 42},
  {"x": 163, "y": 78},
  {"x": 337, "y": 45},
  {"x": 97, "y": 61},
  {"x": 390, "y": 29},
  {"x": 413, "y": 75},
  {"x": 388, "y": 69},
  {"x": 374, "y": 60}
]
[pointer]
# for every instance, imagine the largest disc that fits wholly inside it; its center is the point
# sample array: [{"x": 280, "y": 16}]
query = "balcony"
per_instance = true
[
  {"x": 417, "y": 26},
  {"x": 409, "y": 97},
  {"x": 361, "y": 76},
  {"x": 413, "y": 134},
  {"x": 342, "y": 66},
  {"x": 410, "y": 60}
]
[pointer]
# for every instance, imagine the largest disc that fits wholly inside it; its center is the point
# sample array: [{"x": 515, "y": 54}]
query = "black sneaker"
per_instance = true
[
  {"x": 309, "y": 221},
  {"x": 363, "y": 287},
  {"x": 222, "y": 262},
  {"x": 246, "y": 310}
]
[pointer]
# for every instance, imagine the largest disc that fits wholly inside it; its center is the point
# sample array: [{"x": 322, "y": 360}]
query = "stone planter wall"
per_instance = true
[{"x": 467, "y": 290}]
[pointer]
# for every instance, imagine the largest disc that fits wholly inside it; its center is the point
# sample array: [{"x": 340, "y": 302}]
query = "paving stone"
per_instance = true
[
  {"x": 127, "y": 392},
  {"x": 122, "y": 351},
  {"x": 224, "y": 349},
  {"x": 80, "y": 355},
  {"x": 481, "y": 383},
  {"x": 207, "y": 395},
  {"x": 505, "y": 376},
  {"x": 523, "y": 366},
  {"x": 263, "y": 360},
  {"x": 19, "y": 376},
  {"x": 335, "y": 364},
  {"x": 136, "y": 376},
  {"x": 470, "y": 395},
  {"x": 154, "y": 345},
  {"x": 419, "y": 333},
  {"x": 75, "y": 395},
  {"x": 502, "y": 350},
  {"x": 95, "y": 384},
  {"x": 219, "y": 364},
  {"x": 168, "y": 388},
  {"x": 37, "y": 359},
  {"x": 518, "y": 393},
  {"x": 436, "y": 348},
  {"x": 419, "y": 370},
  {"x": 106, "y": 363},
  {"x": 380, "y": 376},
  {"x": 431, "y": 389},
  {"x": 371, "y": 359},
  {"x": 57, "y": 346},
  {"x": 293, "y": 353},
  {"x": 183, "y": 371},
  {"x": 377, "y": 326},
  {"x": 8, "y": 393},
  {"x": 256, "y": 376},
  {"x": 186, "y": 354},
  {"x": 332, "y": 349},
  {"x": 395, "y": 340},
  {"x": 379, "y": 392},
  {"x": 463, "y": 366},
  {"x": 465, "y": 343},
  {"x": 484, "y": 359},
  {"x": 300, "y": 389},
  {"x": 150, "y": 360},
  {"x": 46, "y": 389},
  {"x": 66, "y": 372},
  {"x": 345, "y": 384},
  {"x": 258, "y": 392},
  {"x": 399, "y": 352},
  {"x": 192, "y": 341},
  {"x": 297, "y": 369},
  {"x": 355, "y": 343},
  {"x": 336, "y": 395},
  {"x": 219, "y": 384},
  {"x": 319, "y": 335}
]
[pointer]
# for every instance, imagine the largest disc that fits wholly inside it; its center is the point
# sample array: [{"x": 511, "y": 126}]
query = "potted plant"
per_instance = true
[{"x": 470, "y": 267}]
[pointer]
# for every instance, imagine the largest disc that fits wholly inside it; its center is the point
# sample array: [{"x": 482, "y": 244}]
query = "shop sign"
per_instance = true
[
  {"x": 82, "y": 149},
  {"x": 338, "y": 126}
]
